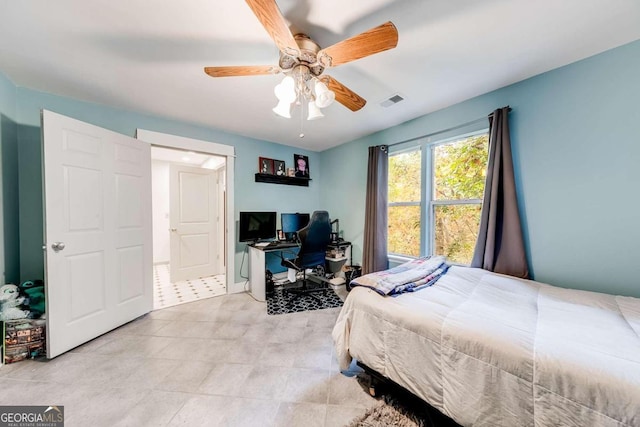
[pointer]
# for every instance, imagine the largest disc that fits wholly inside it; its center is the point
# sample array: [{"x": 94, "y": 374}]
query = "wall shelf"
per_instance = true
[{"x": 286, "y": 180}]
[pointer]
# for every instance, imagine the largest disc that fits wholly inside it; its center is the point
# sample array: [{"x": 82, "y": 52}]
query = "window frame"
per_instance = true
[{"x": 428, "y": 203}]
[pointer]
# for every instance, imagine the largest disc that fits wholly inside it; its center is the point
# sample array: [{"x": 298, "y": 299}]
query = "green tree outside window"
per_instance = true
[{"x": 458, "y": 171}]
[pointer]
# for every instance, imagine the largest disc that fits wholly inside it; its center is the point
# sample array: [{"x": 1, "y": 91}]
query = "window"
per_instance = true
[
  {"x": 405, "y": 190},
  {"x": 435, "y": 197}
]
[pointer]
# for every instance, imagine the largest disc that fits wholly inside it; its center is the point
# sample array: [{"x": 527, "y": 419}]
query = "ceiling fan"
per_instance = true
[{"x": 303, "y": 62}]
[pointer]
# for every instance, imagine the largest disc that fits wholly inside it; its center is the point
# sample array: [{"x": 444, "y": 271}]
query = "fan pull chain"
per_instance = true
[
  {"x": 301, "y": 119},
  {"x": 301, "y": 99}
]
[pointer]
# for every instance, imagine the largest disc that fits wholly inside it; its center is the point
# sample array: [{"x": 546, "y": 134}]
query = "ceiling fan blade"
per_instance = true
[
  {"x": 344, "y": 95},
  {"x": 241, "y": 70},
  {"x": 272, "y": 20},
  {"x": 375, "y": 40}
]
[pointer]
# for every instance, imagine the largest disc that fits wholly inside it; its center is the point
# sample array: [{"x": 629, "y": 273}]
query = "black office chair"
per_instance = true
[{"x": 313, "y": 240}]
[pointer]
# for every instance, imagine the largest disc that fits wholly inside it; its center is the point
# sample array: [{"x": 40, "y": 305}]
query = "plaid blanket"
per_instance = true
[{"x": 408, "y": 277}]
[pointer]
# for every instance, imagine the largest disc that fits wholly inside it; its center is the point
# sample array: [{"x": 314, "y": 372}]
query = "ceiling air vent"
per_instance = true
[{"x": 391, "y": 101}]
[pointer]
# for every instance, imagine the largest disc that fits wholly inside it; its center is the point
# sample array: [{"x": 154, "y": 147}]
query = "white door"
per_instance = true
[
  {"x": 193, "y": 218},
  {"x": 98, "y": 251}
]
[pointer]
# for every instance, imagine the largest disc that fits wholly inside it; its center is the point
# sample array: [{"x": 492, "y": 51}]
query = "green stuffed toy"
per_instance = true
[{"x": 34, "y": 293}]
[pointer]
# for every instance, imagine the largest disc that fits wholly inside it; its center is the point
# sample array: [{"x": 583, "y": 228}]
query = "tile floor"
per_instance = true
[
  {"x": 167, "y": 294},
  {"x": 216, "y": 362}
]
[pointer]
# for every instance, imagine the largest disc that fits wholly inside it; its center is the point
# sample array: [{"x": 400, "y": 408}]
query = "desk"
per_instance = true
[
  {"x": 257, "y": 264},
  {"x": 257, "y": 268}
]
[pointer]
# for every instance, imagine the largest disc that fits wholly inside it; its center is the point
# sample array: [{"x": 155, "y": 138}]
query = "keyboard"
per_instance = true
[{"x": 273, "y": 244}]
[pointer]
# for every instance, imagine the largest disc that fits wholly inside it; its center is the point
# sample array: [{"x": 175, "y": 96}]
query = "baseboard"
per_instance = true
[{"x": 237, "y": 288}]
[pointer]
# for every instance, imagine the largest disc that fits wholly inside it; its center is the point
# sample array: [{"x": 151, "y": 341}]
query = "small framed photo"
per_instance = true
[
  {"x": 279, "y": 169},
  {"x": 291, "y": 172},
  {"x": 265, "y": 165},
  {"x": 301, "y": 164}
]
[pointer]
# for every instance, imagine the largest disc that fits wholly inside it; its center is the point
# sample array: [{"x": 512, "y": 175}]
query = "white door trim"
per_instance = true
[
  {"x": 222, "y": 258},
  {"x": 228, "y": 151}
]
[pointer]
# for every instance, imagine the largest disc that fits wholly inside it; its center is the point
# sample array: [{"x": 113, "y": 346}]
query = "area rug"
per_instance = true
[
  {"x": 384, "y": 415},
  {"x": 399, "y": 408},
  {"x": 278, "y": 302}
]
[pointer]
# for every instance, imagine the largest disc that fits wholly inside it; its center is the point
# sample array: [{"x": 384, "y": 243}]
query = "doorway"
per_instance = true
[
  {"x": 192, "y": 188},
  {"x": 188, "y": 212}
]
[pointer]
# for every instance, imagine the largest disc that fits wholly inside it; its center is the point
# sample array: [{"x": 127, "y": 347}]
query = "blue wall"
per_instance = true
[
  {"x": 576, "y": 147},
  {"x": 9, "y": 214},
  {"x": 7, "y": 97}
]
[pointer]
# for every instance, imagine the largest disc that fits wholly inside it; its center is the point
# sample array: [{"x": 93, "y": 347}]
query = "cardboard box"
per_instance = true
[{"x": 24, "y": 338}]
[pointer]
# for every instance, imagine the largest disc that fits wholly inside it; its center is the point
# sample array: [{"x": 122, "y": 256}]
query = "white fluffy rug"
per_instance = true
[{"x": 384, "y": 415}]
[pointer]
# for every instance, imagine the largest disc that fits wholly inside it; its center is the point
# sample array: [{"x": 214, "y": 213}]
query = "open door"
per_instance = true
[
  {"x": 193, "y": 216},
  {"x": 98, "y": 234}
]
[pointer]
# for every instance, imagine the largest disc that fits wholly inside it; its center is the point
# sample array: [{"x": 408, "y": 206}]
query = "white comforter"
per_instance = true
[{"x": 492, "y": 350}]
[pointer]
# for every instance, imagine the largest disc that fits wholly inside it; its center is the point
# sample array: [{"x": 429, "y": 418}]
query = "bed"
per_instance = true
[{"x": 491, "y": 350}]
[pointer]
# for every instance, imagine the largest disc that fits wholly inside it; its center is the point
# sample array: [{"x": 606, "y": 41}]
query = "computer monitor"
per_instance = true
[
  {"x": 254, "y": 226},
  {"x": 292, "y": 222}
]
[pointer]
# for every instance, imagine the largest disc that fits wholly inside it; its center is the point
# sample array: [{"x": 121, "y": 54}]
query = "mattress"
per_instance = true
[{"x": 493, "y": 350}]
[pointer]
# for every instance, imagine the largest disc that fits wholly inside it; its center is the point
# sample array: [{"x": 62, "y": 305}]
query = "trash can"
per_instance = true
[{"x": 350, "y": 273}]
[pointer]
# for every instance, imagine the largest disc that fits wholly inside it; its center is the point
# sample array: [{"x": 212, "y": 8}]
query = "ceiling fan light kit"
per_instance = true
[
  {"x": 303, "y": 62},
  {"x": 300, "y": 86}
]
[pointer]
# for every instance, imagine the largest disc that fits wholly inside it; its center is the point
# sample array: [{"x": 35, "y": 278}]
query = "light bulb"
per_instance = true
[
  {"x": 324, "y": 97},
  {"x": 283, "y": 109},
  {"x": 314, "y": 111},
  {"x": 286, "y": 91}
]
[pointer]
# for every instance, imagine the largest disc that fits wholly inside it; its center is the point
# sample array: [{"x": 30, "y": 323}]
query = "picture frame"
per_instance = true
[
  {"x": 265, "y": 165},
  {"x": 279, "y": 168},
  {"x": 301, "y": 165}
]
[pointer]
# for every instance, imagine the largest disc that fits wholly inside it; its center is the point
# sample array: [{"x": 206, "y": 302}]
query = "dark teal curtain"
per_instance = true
[
  {"x": 374, "y": 251},
  {"x": 500, "y": 245}
]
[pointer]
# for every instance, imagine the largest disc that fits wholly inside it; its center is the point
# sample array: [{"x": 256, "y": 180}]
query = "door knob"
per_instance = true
[
  {"x": 57, "y": 246},
  {"x": 173, "y": 229}
]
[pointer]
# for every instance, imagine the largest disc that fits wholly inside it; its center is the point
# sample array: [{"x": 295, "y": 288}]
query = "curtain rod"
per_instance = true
[{"x": 444, "y": 130}]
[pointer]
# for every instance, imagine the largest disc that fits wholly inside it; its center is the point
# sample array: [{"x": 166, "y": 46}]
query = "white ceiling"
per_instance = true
[
  {"x": 187, "y": 158},
  {"x": 149, "y": 56}
]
